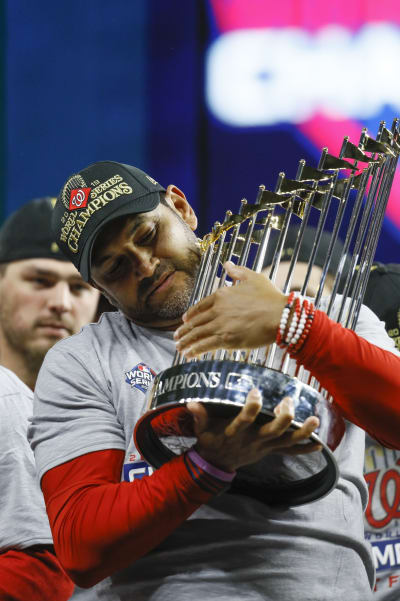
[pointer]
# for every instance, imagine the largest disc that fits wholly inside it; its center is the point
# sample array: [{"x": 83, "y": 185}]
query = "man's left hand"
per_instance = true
[{"x": 245, "y": 315}]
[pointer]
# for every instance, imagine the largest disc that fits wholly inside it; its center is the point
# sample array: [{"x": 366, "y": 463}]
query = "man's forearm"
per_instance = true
[
  {"x": 101, "y": 525},
  {"x": 363, "y": 379}
]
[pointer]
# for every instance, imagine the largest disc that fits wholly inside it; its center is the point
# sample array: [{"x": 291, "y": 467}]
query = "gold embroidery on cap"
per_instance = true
[
  {"x": 75, "y": 181},
  {"x": 115, "y": 179},
  {"x": 108, "y": 191}
]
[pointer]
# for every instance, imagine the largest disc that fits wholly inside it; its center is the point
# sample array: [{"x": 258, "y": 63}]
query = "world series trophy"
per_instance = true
[{"x": 353, "y": 189}]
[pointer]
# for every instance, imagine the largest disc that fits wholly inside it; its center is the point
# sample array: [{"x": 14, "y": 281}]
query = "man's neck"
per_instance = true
[
  {"x": 22, "y": 367},
  {"x": 164, "y": 327}
]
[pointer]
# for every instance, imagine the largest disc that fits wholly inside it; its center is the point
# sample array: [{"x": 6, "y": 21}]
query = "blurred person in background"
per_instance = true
[
  {"x": 43, "y": 299},
  {"x": 300, "y": 270},
  {"x": 382, "y": 465}
]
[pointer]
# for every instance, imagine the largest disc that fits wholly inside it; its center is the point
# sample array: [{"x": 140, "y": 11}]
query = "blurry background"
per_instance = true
[{"x": 215, "y": 96}]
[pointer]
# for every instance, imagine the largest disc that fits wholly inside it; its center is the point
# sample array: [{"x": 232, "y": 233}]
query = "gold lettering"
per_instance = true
[
  {"x": 72, "y": 230},
  {"x": 73, "y": 245},
  {"x": 80, "y": 224},
  {"x": 115, "y": 192},
  {"x": 67, "y": 227},
  {"x": 125, "y": 188},
  {"x": 397, "y": 342},
  {"x": 73, "y": 240},
  {"x": 105, "y": 185},
  {"x": 94, "y": 203},
  {"x": 86, "y": 214},
  {"x": 110, "y": 194}
]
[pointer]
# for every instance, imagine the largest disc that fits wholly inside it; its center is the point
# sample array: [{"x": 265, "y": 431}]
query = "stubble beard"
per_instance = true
[
  {"x": 177, "y": 301},
  {"x": 22, "y": 342}
]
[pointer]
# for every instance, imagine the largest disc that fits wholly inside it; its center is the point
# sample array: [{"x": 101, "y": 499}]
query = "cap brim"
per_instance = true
[{"x": 145, "y": 204}]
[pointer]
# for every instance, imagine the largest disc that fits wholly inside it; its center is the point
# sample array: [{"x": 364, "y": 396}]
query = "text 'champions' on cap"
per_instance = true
[{"x": 91, "y": 198}]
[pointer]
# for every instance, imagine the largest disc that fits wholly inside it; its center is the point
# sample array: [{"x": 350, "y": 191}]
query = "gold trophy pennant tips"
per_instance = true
[
  {"x": 331, "y": 162},
  {"x": 354, "y": 152},
  {"x": 312, "y": 174}
]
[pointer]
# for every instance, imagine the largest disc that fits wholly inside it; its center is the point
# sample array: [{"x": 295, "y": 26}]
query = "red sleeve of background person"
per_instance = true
[
  {"x": 363, "y": 379},
  {"x": 33, "y": 575},
  {"x": 101, "y": 525}
]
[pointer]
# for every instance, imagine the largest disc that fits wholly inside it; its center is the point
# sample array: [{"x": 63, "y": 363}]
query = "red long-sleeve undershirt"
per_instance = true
[
  {"x": 101, "y": 525},
  {"x": 363, "y": 379},
  {"x": 33, "y": 574}
]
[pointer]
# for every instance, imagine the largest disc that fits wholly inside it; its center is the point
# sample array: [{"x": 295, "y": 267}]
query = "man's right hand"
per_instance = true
[{"x": 229, "y": 445}]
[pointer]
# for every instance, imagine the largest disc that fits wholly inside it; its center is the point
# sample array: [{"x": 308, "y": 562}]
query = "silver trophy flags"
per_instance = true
[{"x": 350, "y": 190}]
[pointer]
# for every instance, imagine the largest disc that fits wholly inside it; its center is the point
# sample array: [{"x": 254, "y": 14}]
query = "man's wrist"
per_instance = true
[{"x": 211, "y": 469}]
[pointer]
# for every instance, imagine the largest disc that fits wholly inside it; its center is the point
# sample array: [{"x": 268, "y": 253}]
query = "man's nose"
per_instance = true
[
  {"x": 60, "y": 298},
  {"x": 143, "y": 261}
]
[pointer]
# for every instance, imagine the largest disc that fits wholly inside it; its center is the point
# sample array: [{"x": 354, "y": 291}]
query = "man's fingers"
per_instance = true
[
  {"x": 237, "y": 272},
  {"x": 288, "y": 438},
  {"x": 286, "y": 406},
  {"x": 278, "y": 426},
  {"x": 301, "y": 449},
  {"x": 202, "y": 305},
  {"x": 200, "y": 417},
  {"x": 247, "y": 414},
  {"x": 186, "y": 335},
  {"x": 310, "y": 425},
  {"x": 212, "y": 343}
]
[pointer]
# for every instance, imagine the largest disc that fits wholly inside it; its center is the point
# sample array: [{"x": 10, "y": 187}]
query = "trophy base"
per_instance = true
[{"x": 222, "y": 386}]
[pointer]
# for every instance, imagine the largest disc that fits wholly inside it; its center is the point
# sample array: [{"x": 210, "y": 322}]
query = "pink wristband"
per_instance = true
[{"x": 210, "y": 469}]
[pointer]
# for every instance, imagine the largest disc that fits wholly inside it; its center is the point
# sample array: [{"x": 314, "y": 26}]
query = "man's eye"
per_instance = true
[
  {"x": 115, "y": 270},
  {"x": 78, "y": 288},
  {"x": 42, "y": 282},
  {"x": 147, "y": 237}
]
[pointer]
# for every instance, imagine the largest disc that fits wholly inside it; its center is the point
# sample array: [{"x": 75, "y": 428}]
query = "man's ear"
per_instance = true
[{"x": 177, "y": 201}]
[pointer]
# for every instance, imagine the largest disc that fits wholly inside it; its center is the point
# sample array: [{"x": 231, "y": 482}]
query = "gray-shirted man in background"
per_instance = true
[{"x": 43, "y": 299}]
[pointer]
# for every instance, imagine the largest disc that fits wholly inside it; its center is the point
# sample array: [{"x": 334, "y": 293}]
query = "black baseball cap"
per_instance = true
[
  {"x": 383, "y": 296},
  {"x": 91, "y": 198},
  {"x": 26, "y": 234},
  {"x": 306, "y": 247}
]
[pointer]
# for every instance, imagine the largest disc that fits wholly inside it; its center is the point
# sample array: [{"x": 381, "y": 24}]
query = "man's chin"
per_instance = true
[
  {"x": 43, "y": 345},
  {"x": 156, "y": 321}
]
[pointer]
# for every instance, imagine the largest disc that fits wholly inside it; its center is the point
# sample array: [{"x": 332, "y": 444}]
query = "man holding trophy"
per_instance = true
[{"x": 176, "y": 533}]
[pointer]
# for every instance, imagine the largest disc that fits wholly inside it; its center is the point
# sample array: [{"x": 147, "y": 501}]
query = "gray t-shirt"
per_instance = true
[
  {"x": 90, "y": 393},
  {"x": 23, "y": 518}
]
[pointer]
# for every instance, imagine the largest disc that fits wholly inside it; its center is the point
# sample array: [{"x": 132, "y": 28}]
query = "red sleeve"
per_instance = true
[
  {"x": 363, "y": 379},
  {"x": 33, "y": 574},
  {"x": 101, "y": 525}
]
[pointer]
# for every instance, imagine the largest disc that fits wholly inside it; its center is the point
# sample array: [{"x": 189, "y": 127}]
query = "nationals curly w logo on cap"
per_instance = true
[
  {"x": 91, "y": 198},
  {"x": 79, "y": 198}
]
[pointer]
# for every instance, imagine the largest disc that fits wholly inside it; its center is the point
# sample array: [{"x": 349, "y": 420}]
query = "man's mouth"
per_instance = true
[
  {"x": 161, "y": 284},
  {"x": 54, "y": 328}
]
